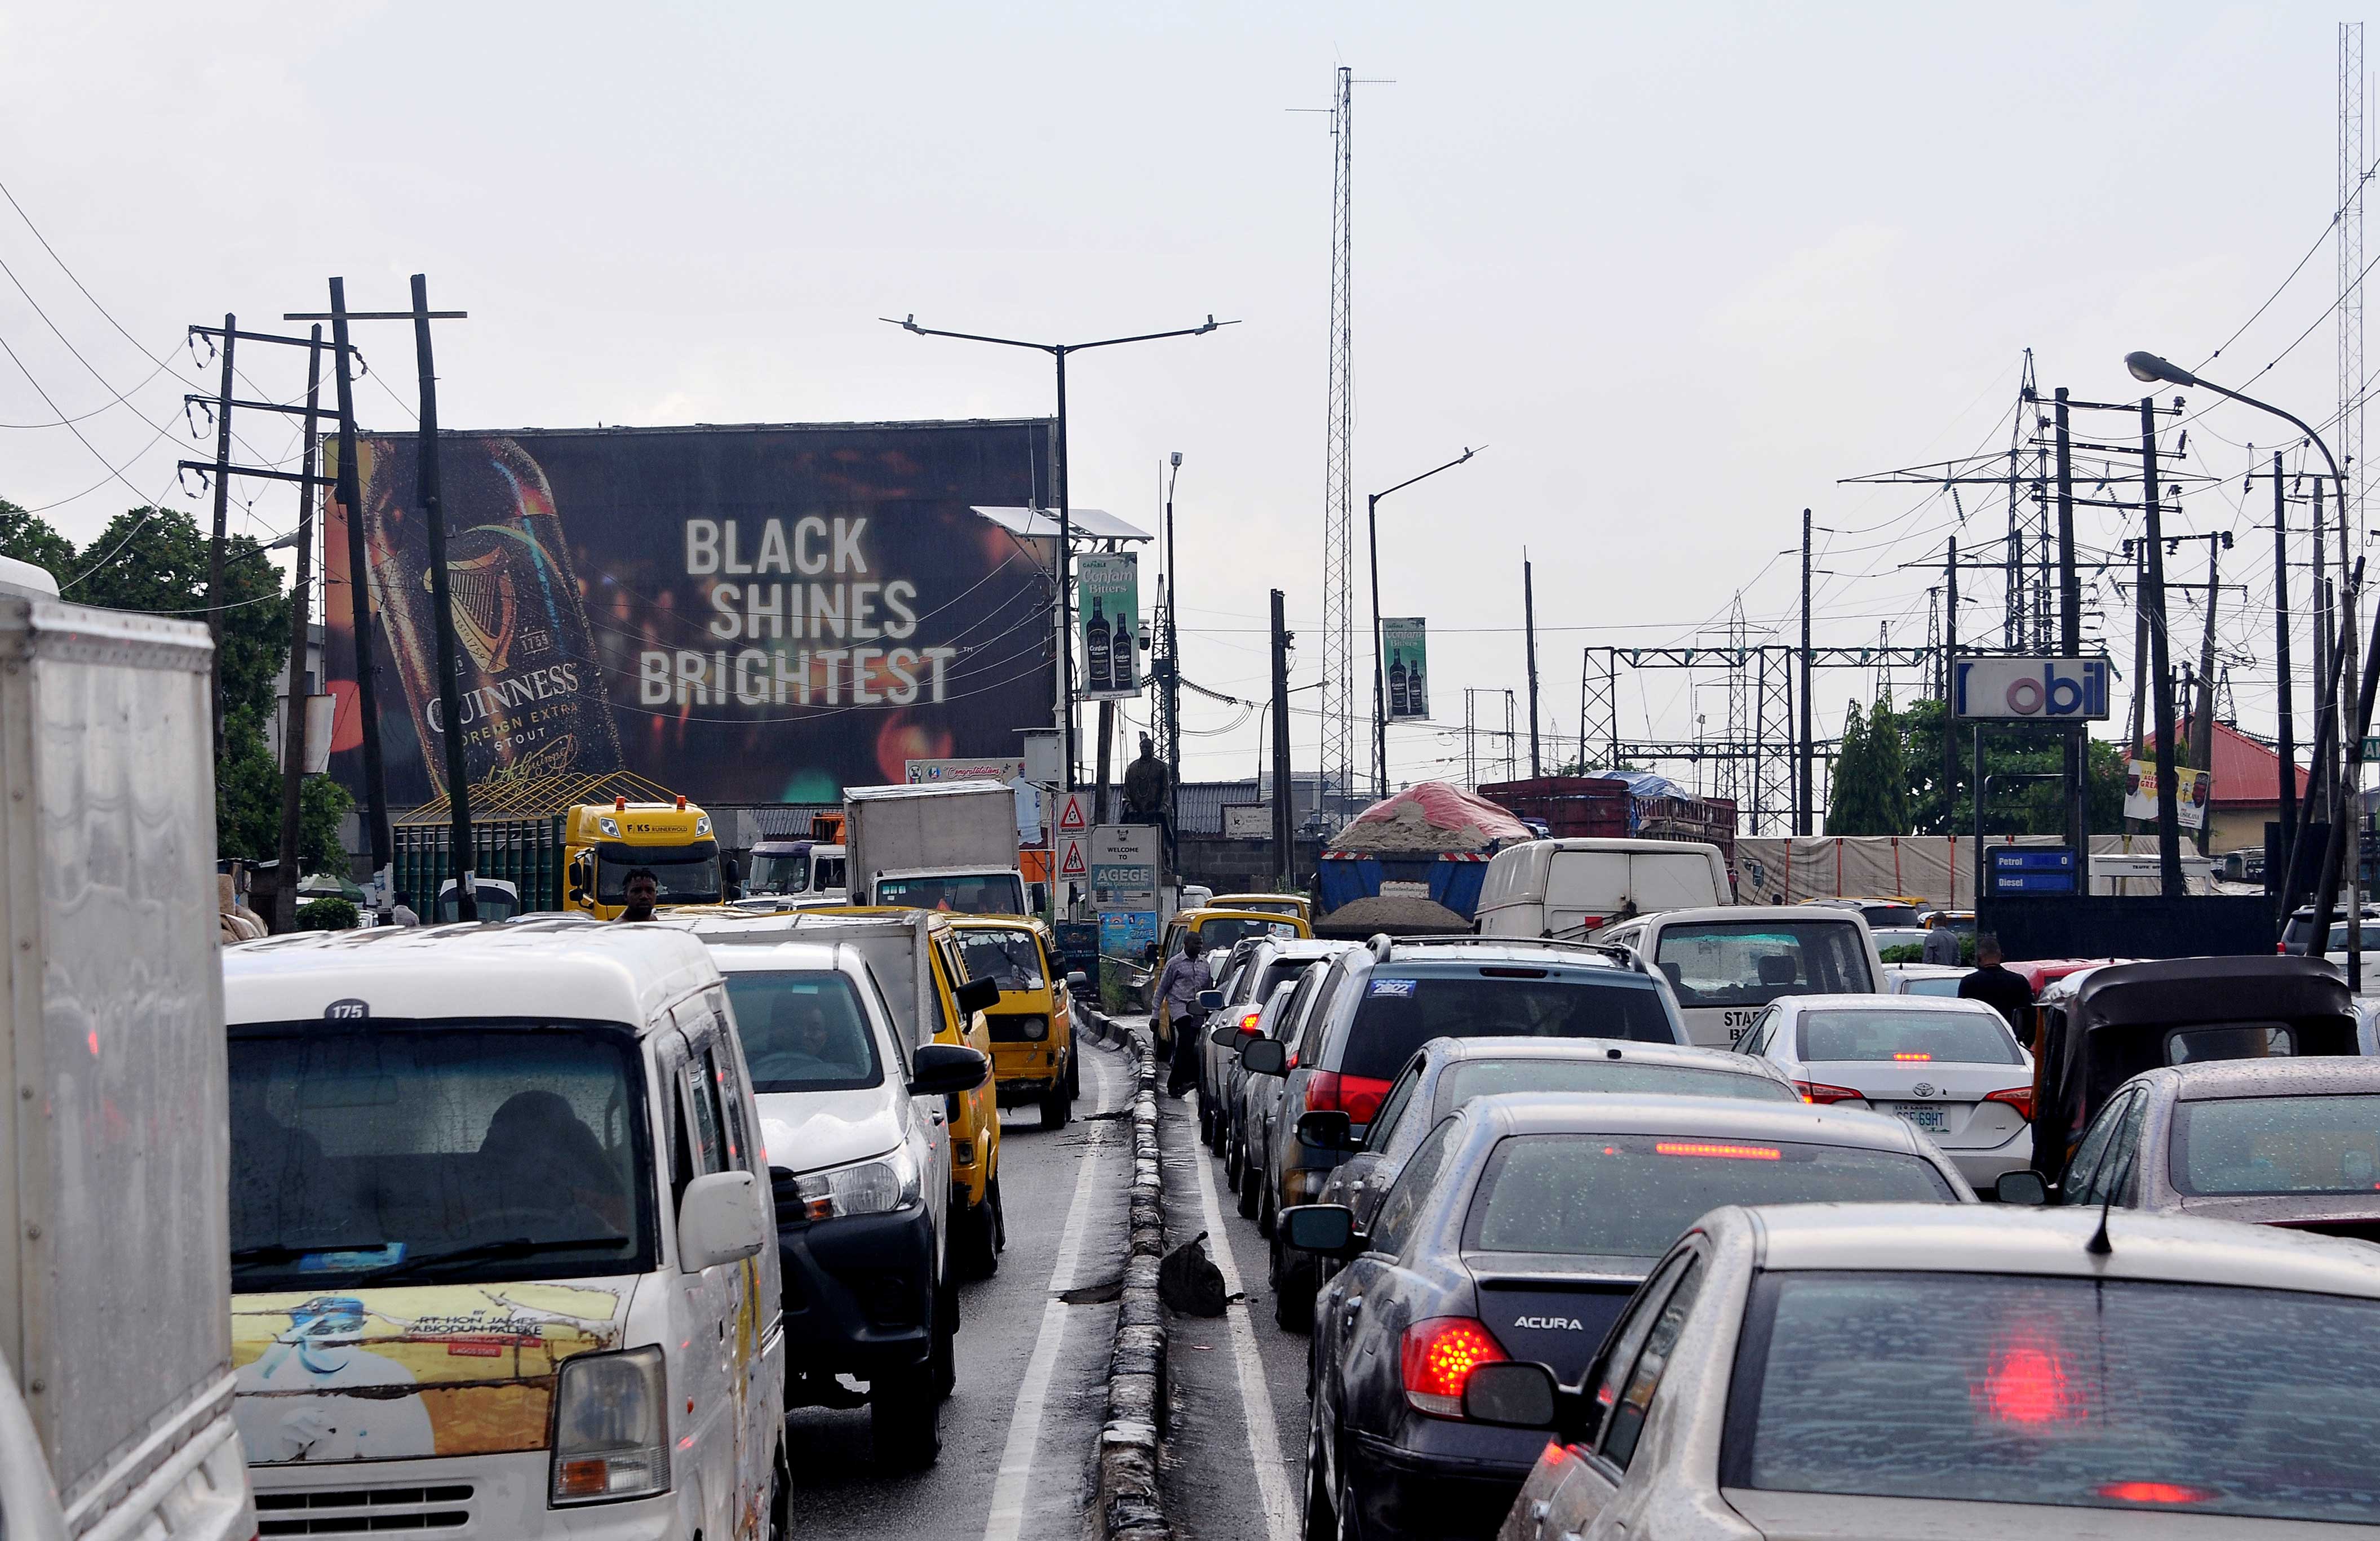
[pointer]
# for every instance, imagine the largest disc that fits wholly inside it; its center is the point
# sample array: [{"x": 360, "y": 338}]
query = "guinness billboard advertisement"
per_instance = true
[{"x": 743, "y": 614}]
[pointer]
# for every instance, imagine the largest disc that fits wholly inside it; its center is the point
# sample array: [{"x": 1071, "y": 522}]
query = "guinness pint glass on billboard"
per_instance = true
[{"x": 531, "y": 688}]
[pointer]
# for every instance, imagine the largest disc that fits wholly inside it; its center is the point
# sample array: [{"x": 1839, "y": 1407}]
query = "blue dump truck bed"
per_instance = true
[{"x": 1452, "y": 879}]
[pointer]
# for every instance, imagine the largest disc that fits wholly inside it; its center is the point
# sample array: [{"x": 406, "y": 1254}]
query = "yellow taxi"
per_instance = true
[
  {"x": 1297, "y": 905},
  {"x": 1032, "y": 1027}
]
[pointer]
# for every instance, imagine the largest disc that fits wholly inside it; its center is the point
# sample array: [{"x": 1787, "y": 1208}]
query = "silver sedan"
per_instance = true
[{"x": 1878, "y": 1371}]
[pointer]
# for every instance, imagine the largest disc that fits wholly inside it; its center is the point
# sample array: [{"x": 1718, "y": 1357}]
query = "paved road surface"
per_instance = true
[
  {"x": 1019, "y": 1432},
  {"x": 1236, "y": 1457}
]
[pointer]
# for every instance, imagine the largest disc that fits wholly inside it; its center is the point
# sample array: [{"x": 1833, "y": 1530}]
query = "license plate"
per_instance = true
[{"x": 1932, "y": 1120}]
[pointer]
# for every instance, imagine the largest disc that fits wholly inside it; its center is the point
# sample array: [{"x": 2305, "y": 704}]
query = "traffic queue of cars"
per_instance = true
[
  {"x": 540, "y": 1226},
  {"x": 1566, "y": 1269}
]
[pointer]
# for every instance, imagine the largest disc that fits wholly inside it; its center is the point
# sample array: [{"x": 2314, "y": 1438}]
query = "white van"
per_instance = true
[
  {"x": 500, "y": 1226},
  {"x": 852, "y": 1112},
  {"x": 1572, "y": 888},
  {"x": 1726, "y": 963}
]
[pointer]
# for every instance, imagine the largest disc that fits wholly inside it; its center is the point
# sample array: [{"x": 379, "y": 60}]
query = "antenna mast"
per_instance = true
[{"x": 1339, "y": 665}]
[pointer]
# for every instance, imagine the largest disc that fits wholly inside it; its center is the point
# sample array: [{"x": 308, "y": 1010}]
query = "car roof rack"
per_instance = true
[{"x": 1383, "y": 941}]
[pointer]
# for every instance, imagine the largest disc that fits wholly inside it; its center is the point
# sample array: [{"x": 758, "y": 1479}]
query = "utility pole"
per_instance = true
[
  {"x": 450, "y": 701},
  {"x": 1949, "y": 685},
  {"x": 1803, "y": 799},
  {"x": 293, "y": 732},
  {"x": 2289, "y": 788},
  {"x": 1284, "y": 822},
  {"x": 350, "y": 496},
  {"x": 2169, "y": 816},
  {"x": 1173, "y": 668},
  {"x": 2201, "y": 713},
  {"x": 2139, "y": 653},
  {"x": 1529, "y": 616},
  {"x": 215, "y": 542},
  {"x": 2070, "y": 642},
  {"x": 2323, "y": 794}
]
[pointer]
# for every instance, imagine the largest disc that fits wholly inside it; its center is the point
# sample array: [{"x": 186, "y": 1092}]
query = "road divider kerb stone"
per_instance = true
[{"x": 1130, "y": 1505}]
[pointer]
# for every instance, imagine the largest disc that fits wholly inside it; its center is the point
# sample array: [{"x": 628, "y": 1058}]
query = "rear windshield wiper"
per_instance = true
[{"x": 514, "y": 1246}]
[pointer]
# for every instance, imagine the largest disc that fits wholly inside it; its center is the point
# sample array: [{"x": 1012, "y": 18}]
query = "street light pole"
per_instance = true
[
  {"x": 1064, "y": 600},
  {"x": 1380, "y": 668},
  {"x": 2148, "y": 367},
  {"x": 1173, "y": 667}
]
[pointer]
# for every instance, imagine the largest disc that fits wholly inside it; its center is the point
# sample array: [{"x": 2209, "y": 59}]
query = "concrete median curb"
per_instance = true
[{"x": 1131, "y": 1507}]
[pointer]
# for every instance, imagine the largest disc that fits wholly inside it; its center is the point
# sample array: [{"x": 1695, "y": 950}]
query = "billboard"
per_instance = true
[
  {"x": 2062, "y": 690},
  {"x": 1405, "y": 645},
  {"x": 2192, "y": 792},
  {"x": 743, "y": 614},
  {"x": 1107, "y": 595}
]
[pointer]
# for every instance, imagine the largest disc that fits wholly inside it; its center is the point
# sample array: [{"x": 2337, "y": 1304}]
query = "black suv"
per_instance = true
[{"x": 1383, "y": 1000}]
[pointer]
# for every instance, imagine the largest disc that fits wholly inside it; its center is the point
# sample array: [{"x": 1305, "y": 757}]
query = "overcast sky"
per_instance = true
[{"x": 1680, "y": 268}]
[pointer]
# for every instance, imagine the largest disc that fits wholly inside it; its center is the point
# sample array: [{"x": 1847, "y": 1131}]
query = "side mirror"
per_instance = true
[
  {"x": 1265, "y": 1057},
  {"x": 1327, "y": 1129},
  {"x": 1325, "y": 1229},
  {"x": 976, "y": 995},
  {"x": 2026, "y": 1188},
  {"x": 1510, "y": 1394},
  {"x": 946, "y": 1069},
  {"x": 1149, "y": 954},
  {"x": 1210, "y": 1000},
  {"x": 1077, "y": 980},
  {"x": 720, "y": 1221},
  {"x": 1226, "y": 1036}
]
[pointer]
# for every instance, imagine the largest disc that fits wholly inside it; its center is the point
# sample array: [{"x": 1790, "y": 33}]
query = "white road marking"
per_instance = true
[
  {"x": 1008, "y": 1491},
  {"x": 1255, "y": 1400}
]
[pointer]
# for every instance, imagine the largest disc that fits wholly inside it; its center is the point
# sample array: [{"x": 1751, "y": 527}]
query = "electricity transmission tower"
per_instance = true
[
  {"x": 2348, "y": 437},
  {"x": 1339, "y": 665}
]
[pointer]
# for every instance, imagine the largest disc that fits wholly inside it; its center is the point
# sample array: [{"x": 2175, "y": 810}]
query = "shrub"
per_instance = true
[{"x": 326, "y": 914}]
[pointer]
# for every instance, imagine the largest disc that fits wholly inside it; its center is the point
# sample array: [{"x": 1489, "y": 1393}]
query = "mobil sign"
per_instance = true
[{"x": 2030, "y": 690}]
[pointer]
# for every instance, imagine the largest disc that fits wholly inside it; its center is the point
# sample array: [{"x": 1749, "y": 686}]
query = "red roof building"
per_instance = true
[{"x": 2247, "y": 792}]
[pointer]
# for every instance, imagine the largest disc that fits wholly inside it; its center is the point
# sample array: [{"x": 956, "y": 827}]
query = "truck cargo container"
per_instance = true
[{"x": 949, "y": 846}]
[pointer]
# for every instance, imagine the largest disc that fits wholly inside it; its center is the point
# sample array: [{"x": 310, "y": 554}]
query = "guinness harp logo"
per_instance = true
[{"x": 486, "y": 607}]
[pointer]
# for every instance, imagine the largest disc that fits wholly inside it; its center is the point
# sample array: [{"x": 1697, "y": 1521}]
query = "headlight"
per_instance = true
[
  {"x": 1035, "y": 1028},
  {"x": 702, "y": 826},
  {"x": 876, "y": 1188},
  {"x": 611, "y": 827},
  {"x": 611, "y": 1427}
]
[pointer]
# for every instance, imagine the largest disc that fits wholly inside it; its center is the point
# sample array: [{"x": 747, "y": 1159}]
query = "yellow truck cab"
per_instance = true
[
  {"x": 1033, "y": 1055},
  {"x": 920, "y": 974},
  {"x": 1297, "y": 905},
  {"x": 602, "y": 844},
  {"x": 1223, "y": 929}
]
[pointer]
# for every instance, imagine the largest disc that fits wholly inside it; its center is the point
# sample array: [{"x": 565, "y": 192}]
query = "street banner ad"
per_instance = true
[
  {"x": 2192, "y": 790},
  {"x": 756, "y": 614},
  {"x": 1123, "y": 867},
  {"x": 1107, "y": 591},
  {"x": 1404, "y": 651},
  {"x": 2058, "y": 690},
  {"x": 1127, "y": 934}
]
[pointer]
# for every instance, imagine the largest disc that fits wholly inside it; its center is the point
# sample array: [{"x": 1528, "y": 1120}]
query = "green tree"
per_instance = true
[
  {"x": 1937, "y": 806},
  {"x": 1859, "y": 801},
  {"x": 30, "y": 537},
  {"x": 155, "y": 560}
]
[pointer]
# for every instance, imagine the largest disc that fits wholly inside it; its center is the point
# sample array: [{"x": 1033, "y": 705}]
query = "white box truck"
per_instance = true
[
  {"x": 115, "y": 1406},
  {"x": 944, "y": 845}
]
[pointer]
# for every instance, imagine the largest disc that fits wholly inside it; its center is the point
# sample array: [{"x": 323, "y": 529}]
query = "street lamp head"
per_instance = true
[
  {"x": 1208, "y": 327},
  {"x": 2148, "y": 369},
  {"x": 1177, "y": 460}
]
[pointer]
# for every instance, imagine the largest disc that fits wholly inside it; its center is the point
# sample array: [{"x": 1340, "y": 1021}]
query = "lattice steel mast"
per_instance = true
[{"x": 1338, "y": 661}]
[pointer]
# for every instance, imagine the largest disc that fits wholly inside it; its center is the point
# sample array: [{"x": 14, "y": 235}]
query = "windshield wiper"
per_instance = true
[
  {"x": 282, "y": 1252},
  {"x": 513, "y": 1247}
]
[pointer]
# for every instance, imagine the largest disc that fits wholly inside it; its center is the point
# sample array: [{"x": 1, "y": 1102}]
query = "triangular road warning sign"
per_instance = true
[
  {"x": 1074, "y": 817},
  {"x": 1070, "y": 860}
]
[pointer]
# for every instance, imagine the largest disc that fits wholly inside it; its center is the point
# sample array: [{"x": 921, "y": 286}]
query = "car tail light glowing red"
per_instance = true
[
  {"x": 1357, "y": 1096},
  {"x": 1818, "y": 1091},
  {"x": 2154, "y": 1492},
  {"x": 1437, "y": 1358},
  {"x": 2019, "y": 1098},
  {"x": 1718, "y": 1152}
]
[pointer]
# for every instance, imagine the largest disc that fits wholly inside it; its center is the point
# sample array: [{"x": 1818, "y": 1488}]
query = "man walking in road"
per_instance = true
[
  {"x": 1177, "y": 996},
  {"x": 1942, "y": 944},
  {"x": 1999, "y": 986}
]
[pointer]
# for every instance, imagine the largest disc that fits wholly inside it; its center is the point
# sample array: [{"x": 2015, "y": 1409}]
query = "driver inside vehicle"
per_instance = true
[
  {"x": 801, "y": 1028},
  {"x": 542, "y": 1160}
]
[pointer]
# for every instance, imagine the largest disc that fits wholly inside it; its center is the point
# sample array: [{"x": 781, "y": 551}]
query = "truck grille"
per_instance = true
[
  {"x": 1012, "y": 1029},
  {"x": 359, "y": 1510}
]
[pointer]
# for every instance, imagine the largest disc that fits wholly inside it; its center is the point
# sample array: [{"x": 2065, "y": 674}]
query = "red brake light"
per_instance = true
[
  {"x": 2019, "y": 1098},
  {"x": 2154, "y": 1492},
  {"x": 1818, "y": 1091},
  {"x": 1437, "y": 1357},
  {"x": 1357, "y": 1096},
  {"x": 1722, "y": 1152},
  {"x": 1913, "y": 1059}
]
